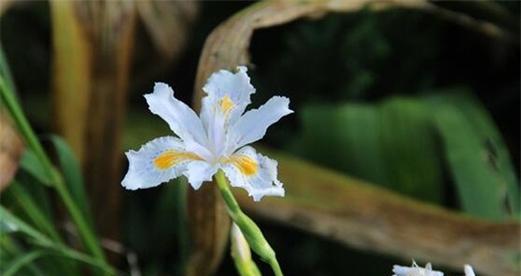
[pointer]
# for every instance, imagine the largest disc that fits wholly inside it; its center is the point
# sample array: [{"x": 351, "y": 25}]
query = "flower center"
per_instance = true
[
  {"x": 171, "y": 158},
  {"x": 226, "y": 104}
]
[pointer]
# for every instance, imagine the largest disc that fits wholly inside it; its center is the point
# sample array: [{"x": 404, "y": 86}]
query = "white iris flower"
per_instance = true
[
  {"x": 216, "y": 139},
  {"x": 415, "y": 270}
]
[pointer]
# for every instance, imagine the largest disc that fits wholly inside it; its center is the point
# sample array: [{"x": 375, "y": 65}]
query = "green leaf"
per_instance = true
[
  {"x": 410, "y": 150},
  {"x": 34, "y": 212},
  {"x": 477, "y": 157},
  {"x": 7, "y": 227},
  {"x": 72, "y": 175},
  {"x": 13, "y": 267},
  {"x": 9, "y": 249},
  {"x": 30, "y": 163},
  {"x": 391, "y": 143},
  {"x": 42, "y": 240}
]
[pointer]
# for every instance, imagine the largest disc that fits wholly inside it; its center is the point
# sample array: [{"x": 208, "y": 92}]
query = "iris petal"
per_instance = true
[
  {"x": 254, "y": 172},
  {"x": 183, "y": 121},
  {"x": 157, "y": 162},
  {"x": 252, "y": 126}
]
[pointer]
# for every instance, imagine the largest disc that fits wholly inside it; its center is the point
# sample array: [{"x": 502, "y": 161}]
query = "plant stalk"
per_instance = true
[{"x": 251, "y": 231}]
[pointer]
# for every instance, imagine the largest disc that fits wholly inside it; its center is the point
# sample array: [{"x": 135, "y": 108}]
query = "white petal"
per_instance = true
[
  {"x": 214, "y": 122},
  {"x": 469, "y": 271},
  {"x": 253, "y": 124},
  {"x": 181, "y": 118},
  {"x": 228, "y": 94},
  {"x": 145, "y": 169},
  {"x": 198, "y": 172},
  {"x": 236, "y": 86},
  {"x": 257, "y": 174}
]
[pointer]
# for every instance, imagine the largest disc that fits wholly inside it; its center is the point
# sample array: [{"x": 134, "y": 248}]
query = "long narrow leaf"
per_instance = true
[
  {"x": 32, "y": 165},
  {"x": 72, "y": 175},
  {"x": 9, "y": 248},
  {"x": 32, "y": 211},
  {"x": 42, "y": 240},
  {"x": 23, "y": 260}
]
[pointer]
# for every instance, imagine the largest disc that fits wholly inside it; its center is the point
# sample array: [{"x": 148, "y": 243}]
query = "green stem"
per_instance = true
[
  {"x": 87, "y": 234},
  {"x": 251, "y": 231}
]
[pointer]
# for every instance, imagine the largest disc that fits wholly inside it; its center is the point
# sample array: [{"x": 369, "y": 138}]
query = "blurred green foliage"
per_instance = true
[{"x": 371, "y": 100}]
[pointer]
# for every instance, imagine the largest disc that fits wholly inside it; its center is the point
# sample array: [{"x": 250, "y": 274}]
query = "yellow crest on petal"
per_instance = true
[
  {"x": 226, "y": 104},
  {"x": 170, "y": 158},
  {"x": 246, "y": 165}
]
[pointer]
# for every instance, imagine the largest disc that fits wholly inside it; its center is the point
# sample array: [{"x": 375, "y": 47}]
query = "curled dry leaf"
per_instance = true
[
  {"x": 168, "y": 23},
  {"x": 93, "y": 42},
  {"x": 11, "y": 148},
  {"x": 367, "y": 217},
  {"x": 225, "y": 48}
]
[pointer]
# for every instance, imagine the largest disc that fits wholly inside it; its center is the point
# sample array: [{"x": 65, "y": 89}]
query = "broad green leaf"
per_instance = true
[
  {"x": 72, "y": 175},
  {"x": 498, "y": 161},
  {"x": 391, "y": 144},
  {"x": 345, "y": 138},
  {"x": 409, "y": 148},
  {"x": 477, "y": 157}
]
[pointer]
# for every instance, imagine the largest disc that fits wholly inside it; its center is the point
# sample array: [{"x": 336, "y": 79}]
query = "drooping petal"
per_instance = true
[
  {"x": 253, "y": 124},
  {"x": 156, "y": 162},
  {"x": 198, "y": 172},
  {"x": 183, "y": 121},
  {"x": 228, "y": 94},
  {"x": 254, "y": 172}
]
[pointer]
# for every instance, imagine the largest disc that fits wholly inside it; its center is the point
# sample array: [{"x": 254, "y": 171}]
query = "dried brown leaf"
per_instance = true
[
  {"x": 368, "y": 217},
  {"x": 11, "y": 148},
  {"x": 93, "y": 42},
  {"x": 225, "y": 48},
  {"x": 168, "y": 23}
]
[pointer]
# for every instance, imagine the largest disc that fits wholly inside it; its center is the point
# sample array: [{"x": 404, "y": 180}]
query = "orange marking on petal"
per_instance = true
[
  {"x": 171, "y": 158},
  {"x": 245, "y": 164}
]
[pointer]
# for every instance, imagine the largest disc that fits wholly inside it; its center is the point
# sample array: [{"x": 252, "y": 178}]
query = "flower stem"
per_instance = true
[{"x": 251, "y": 231}]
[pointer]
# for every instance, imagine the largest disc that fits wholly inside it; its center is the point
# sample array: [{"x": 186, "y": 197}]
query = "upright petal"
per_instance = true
[
  {"x": 181, "y": 118},
  {"x": 254, "y": 172},
  {"x": 253, "y": 124},
  {"x": 156, "y": 162},
  {"x": 228, "y": 94}
]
